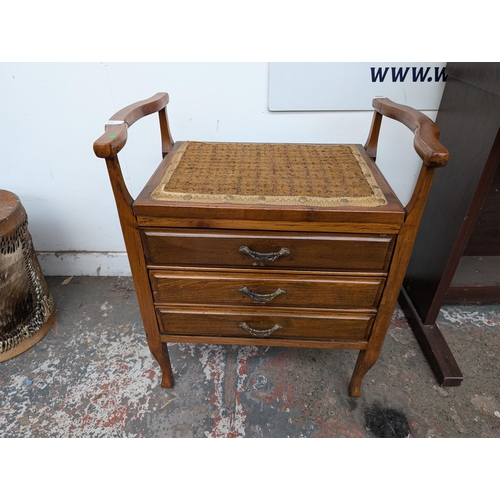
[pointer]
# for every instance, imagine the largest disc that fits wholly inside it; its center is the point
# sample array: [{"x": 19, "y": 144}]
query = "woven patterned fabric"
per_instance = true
[{"x": 269, "y": 174}]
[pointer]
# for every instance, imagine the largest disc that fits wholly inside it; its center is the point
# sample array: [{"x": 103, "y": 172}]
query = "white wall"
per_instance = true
[{"x": 51, "y": 113}]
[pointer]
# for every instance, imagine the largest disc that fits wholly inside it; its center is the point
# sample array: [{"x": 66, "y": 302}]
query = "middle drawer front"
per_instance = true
[
  {"x": 258, "y": 249},
  {"x": 272, "y": 289}
]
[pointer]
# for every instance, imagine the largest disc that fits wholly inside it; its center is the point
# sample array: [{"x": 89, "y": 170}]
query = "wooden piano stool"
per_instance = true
[{"x": 299, "y": 245}]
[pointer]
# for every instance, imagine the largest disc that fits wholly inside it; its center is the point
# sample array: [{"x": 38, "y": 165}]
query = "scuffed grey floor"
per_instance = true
[{"x": 93, "y": 376}]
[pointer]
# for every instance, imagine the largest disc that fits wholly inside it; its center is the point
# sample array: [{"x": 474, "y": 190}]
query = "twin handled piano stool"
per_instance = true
[{"x": 297, "y": 245}]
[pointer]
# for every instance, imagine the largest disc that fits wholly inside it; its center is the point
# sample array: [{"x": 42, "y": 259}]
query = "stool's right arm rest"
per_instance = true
[{"x": 426, "y": 141}]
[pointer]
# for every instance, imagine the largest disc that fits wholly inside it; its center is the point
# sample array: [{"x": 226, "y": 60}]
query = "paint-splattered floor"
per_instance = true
[{"x": 93, "y": 376}]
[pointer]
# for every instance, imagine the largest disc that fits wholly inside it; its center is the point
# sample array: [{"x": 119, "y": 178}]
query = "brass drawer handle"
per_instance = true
[
  {"x": 259, "y": 333},
  {"x": 261, "y": 297},
  {"x": 264, "y": 257}
]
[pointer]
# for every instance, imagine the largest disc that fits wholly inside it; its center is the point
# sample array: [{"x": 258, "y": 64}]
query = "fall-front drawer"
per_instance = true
[
  {"x": 253, "y": 323},
  {"x": 272, "y": 289},
  {"x": 261, "y": 249}
]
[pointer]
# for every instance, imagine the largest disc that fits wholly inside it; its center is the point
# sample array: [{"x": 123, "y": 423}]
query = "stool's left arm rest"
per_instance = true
[
  {"x": 114, "y": 139},
  {"x": 115, "y": 136}
]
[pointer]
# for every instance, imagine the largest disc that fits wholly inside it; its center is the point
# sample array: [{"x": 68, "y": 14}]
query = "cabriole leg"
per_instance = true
[
  {"x": 161, "y": 355},
  {"x": 366, "y": 359}
]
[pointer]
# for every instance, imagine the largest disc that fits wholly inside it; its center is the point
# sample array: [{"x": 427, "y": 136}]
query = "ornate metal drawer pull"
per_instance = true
[
  {"x": 264, "y": 257},
  {"x": 261, "y": 297},
  {"x": 259, "y": 333}
]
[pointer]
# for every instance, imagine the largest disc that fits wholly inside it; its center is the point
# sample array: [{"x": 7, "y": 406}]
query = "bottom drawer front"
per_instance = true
[{"x": 275, "y": 324}]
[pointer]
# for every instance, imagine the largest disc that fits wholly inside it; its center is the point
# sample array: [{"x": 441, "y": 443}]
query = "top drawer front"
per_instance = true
[{"x": 268, "y": 250}]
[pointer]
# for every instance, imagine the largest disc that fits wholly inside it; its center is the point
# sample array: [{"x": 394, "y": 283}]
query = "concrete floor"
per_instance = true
[{"x": 93, "y": 376}]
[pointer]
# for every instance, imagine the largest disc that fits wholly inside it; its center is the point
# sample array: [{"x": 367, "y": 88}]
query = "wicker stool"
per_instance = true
[
  {"x": 26, "y": 306},
  {"x": 286, "y": 245}
]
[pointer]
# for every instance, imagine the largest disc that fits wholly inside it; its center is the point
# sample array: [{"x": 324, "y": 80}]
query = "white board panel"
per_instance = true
[{"x": 352, "y": 86}]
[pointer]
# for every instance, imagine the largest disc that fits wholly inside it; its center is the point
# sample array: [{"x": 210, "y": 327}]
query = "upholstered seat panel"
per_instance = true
[{"x": 269, "y": 174}]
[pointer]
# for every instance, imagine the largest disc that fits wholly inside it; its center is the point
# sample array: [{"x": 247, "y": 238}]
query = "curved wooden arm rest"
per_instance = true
[
  {"x": 426, "y": 141},
  {"x": 115, "y": 136}
]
